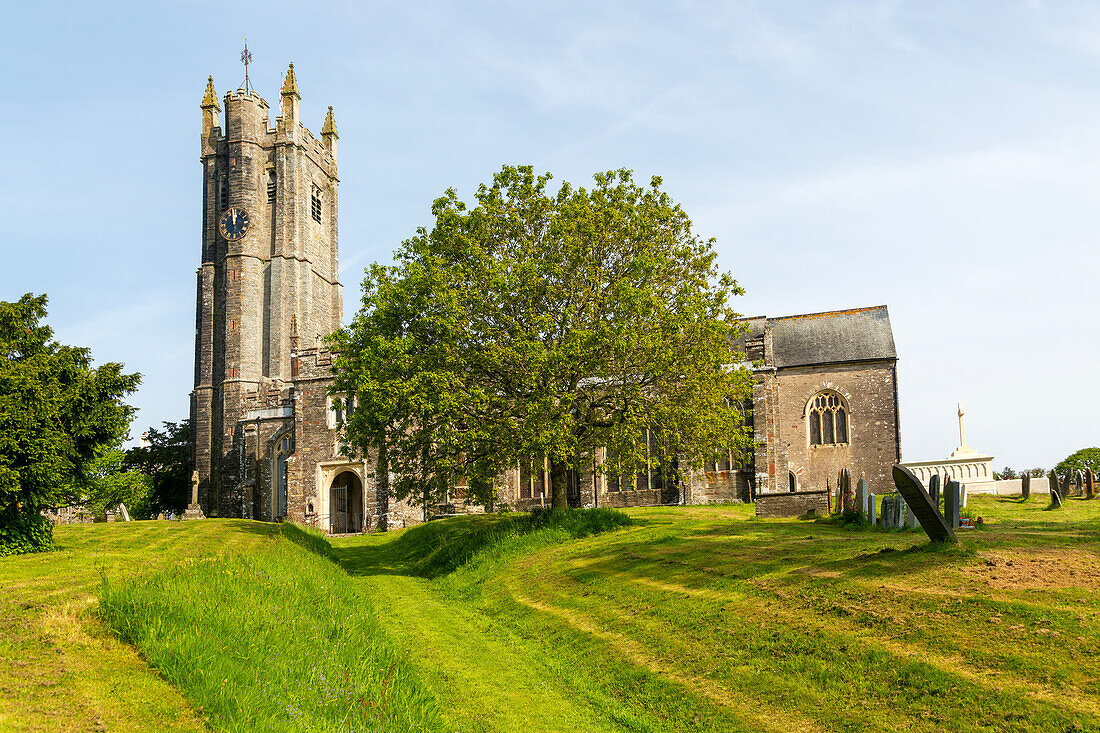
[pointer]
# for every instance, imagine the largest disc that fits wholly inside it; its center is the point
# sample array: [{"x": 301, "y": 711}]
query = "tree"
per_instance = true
[
  {"x": 57, "y": 413},
  {"x": 545, "y": 324},
  {"x": 1082, "y": 460},
  {"x": 111, "y": 483},
  {"x": 166, "y": 461},
  {"x": 1005, "y": 474}
]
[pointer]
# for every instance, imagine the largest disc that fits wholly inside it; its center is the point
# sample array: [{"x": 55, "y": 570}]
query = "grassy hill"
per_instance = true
[{"x": 697, "y": 618}]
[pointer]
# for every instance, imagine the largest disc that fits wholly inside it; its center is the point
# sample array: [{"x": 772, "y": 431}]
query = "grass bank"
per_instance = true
[
  {"x": 60, "y": 668},
  {"x": 275, "y": 640}
]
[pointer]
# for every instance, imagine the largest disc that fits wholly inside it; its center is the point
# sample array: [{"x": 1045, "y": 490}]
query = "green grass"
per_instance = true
[
  {"x": 275, "y": 640},
  {"x": 691, "y": 618},
  {"x": 60, "y": 668}
]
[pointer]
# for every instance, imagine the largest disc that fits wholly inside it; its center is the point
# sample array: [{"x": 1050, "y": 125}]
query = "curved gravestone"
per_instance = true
[
  {"x": 1055, "y": 500},
  {"x": 926, "y": 511}
]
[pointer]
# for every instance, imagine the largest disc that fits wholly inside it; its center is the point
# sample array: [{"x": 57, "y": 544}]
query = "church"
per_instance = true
[{"x": 265, "y": 424}]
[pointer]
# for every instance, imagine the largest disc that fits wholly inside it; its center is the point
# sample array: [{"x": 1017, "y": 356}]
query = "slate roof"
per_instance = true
[{"x": 859, "y": 334}]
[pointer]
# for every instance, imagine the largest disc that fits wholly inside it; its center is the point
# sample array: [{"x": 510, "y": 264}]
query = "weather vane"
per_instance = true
[{"x": 246, "y": 58}]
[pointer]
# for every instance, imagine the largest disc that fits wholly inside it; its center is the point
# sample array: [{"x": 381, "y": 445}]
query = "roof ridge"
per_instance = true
[{"x": 829, "y": 313}]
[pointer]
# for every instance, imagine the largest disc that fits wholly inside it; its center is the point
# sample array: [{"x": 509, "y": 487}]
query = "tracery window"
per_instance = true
[{"x": 828, "y": 419}]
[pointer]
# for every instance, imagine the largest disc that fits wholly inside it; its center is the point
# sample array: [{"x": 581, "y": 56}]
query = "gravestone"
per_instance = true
[
  {"x": 1055, "y": 487},
  {"x": 1090, "y": 484},
  {"x": 871, "y": 507},
  {"x": 962, "y": 496},
  {"x": 1025, "y": 485},
  {"x": 952, "y": 495},
  {"x": 899, "y": 513},
  {"x": 194, "y": 511},
  {"x": 887, "y": 511},
  {"x": 844, "y": 485},
  {"x": 934, "y": 488},
  {"x": 927, "y": 513},
  {"x": 911, "y": 521},
  {"x": 861, "y": 497},
  {"x": 1055, "y": 500},
  {"x": 1080, "y": 484}
]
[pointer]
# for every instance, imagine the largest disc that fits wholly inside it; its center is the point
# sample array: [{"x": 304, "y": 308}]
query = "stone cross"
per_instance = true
[
  {"x": 1090, "y": 484},
  {"x": 962, "y": 426},
  {"x": 1025, "y": 485},
  {"x": 194, "y": 511}
]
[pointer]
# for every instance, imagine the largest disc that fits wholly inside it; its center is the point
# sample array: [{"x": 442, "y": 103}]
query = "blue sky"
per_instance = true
[{"x": 941, "y": 158}]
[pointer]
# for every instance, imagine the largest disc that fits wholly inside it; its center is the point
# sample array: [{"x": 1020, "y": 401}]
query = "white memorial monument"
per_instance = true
[{"x": 965, "y": 465}]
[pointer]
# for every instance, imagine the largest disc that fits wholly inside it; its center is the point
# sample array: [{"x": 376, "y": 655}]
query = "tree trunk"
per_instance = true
[
  {"x": 382, "y": 483},
  {"x": 558, "y": 489}
]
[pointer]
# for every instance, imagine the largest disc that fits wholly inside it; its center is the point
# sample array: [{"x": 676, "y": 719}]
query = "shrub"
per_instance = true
[{"x": 23, "y": 530}]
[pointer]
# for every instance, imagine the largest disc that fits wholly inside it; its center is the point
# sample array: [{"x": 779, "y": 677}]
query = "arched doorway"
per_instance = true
[{"x": 346, "y": 504}]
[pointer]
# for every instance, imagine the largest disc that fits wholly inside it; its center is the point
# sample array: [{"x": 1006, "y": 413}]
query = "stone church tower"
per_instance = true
[{"x": 269, "y": 279}]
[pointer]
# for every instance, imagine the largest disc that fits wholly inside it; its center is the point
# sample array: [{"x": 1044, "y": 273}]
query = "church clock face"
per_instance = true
[{"x": 234, "y": 224}]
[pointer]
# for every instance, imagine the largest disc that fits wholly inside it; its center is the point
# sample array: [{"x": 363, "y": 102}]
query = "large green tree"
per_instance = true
[
  {"x": 57, "y": 413},
  {"x": 1081, "y": 460},
  {"x": 166, "y": 461},
  {"x": 541, "y": 323}
]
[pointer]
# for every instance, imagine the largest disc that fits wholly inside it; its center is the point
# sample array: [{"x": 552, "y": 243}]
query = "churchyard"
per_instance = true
[{"x": 690, "y": 618}]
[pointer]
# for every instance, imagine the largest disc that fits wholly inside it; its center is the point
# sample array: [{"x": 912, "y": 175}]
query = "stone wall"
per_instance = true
[
  {"x": 792, "y": 504},
  {"x": 873, "y": 446}
]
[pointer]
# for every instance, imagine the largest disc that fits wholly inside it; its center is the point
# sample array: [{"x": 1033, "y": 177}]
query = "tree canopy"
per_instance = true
[
  {"x": 544, "y": 323},
  {"x": 57, "y": 412},
  {"x": 1081, "y": 460},
  {"x": 166, "y": 460}
]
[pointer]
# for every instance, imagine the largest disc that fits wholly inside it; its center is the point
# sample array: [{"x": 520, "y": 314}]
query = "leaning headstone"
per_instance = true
[
  {"x": 1090, "y": 484},
  {"x": 927, "y": 513},
  {"x": 952, "y": 494},
  {"x": 871, "y": 507},
  {"x": 1055, "y": 500},
  {"x": 1055, "y": 486},
  {"x": 934, "y": 488},
  {"x": 1025, "y": 486}
]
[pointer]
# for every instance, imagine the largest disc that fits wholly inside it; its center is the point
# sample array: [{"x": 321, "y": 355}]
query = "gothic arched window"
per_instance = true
[{"x": 828, "y": 419}]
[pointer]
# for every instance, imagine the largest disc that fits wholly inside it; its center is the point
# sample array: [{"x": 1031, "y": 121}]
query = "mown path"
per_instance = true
[
  {"x": 486, "y": 678},
  {"x": 700, "y": 618}
]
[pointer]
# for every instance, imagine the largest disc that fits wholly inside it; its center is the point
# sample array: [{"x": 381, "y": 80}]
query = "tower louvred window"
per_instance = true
[
  {"x": 315, "y": 204},
  {"x": 271, "y": 187},
  {"x": 827, "y": 419}
]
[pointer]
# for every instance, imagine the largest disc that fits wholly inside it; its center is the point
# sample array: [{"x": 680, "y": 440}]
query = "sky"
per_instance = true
[{"x": 942, "y": 158}]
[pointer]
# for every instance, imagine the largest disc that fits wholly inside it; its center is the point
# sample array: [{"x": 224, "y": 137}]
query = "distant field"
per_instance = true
[{"x": 698, "y": 618}]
